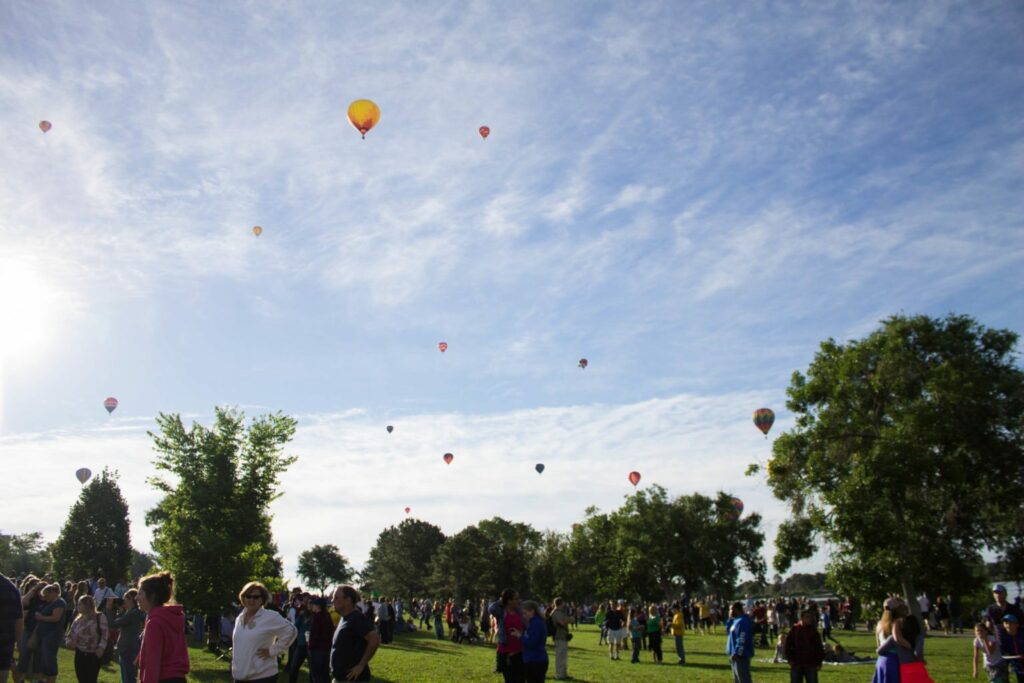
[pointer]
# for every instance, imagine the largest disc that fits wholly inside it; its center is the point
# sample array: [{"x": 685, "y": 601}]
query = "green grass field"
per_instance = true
[{"x": 415, "y": 658}]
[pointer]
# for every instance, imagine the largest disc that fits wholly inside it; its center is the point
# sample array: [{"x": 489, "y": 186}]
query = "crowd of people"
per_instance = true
[{"x": 145, "y": 632}]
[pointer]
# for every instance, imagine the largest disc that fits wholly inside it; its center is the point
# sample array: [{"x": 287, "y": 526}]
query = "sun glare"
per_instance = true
[{"x": 25, "y": 300}]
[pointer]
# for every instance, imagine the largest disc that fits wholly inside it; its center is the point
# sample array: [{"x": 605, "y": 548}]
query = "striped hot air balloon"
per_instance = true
[
  {"x": 764, "y": 418},
  {"x": 110, "y": 404}
]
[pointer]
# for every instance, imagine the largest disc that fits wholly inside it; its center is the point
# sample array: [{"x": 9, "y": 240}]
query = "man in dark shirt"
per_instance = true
[
  {"x": 355, "y": 641},
  {"x": 12, "y": 622},
  {"x": 995, "y": 612}
]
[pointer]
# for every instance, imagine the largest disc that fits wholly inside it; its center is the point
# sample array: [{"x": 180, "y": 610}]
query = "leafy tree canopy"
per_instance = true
[
  {"x": 399, "y": 562},
  {"x": 906, "y": 456},
  {"x": 212, "y": 526},
  {"x": 323, "y": 566},
  {"x": 95, "y": 539}
]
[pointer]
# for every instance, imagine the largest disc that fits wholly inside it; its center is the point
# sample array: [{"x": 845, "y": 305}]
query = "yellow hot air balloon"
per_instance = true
[
  {"x": 257, "y": 230},
  {"x": 363, "y": 115}
]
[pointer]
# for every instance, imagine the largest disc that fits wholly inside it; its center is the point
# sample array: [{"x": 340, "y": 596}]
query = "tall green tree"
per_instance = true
[
  {"x": 459, "y": 566},
  {"x": 323, "y": 566},
  {"x": 212, "y": 529},
  {"x": 96, "y": 536},
  {"x": 23, "y": 554},
  {"x": 400, "y": 560},
  {"x": 906, "y": 456}
]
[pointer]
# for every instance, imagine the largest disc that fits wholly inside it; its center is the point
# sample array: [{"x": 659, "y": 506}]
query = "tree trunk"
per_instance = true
[{"x": 910, "y": 595}]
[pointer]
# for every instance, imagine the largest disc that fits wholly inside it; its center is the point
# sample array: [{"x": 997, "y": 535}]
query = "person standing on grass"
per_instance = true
[
  {"x": 259, "y": 637},
  {"x": 561, "y": 618},
  {"x": 804, "y": 650},
  {"x": 163, "y": 655},
  {"x": 654, "y": 628},
  {"x": 535, "y": 656},
  {"x": 321, "y": 630},
  {"x": 88, "y": 637},
  {"x": 130, "y": 623},
  {"x": 510, "y": 631},
  {"x": 678, "y": 626},
  {"x": 987, "y": 643},
  {"x": 616, "y": 625},
  {"x": 355, "y": 641},
  {"x": 740, "y": 643},
  {"x": 49, "y": 630},
  {"x": 636, "y": 634}
]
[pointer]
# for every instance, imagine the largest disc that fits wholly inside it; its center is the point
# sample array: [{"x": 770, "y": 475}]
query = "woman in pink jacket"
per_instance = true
[{"x": 163, "y": 657}]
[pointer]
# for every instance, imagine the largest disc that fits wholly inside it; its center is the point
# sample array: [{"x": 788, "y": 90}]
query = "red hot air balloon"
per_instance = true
[
  {"x": 83, "y": 475},
  {"x": 583, "y": 363},
  {"x": 634, "y": 478},
  {"x": 390, "y": 429},
  {"x": 443, "y": 346},
  {"x": 448, "y": 457},
  {"x": 737, "y": 507},
  {"x": 484, "y": 132},
  {"x": 408, "y": 510},
  {"x": 45, "y": 126},
  {"x": 764, "y": 418},
  {"x": 110, "y": 404}
]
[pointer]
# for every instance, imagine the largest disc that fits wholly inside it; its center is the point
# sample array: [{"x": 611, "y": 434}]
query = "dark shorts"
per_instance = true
[{"x": 6, "y": 655}]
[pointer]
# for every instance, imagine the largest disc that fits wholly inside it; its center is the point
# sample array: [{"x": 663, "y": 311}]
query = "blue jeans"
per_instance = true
[
  {"x": 680, "y": 652},
  {"x": 127, "y": 662},
  {"x": 741, "y": 670}
]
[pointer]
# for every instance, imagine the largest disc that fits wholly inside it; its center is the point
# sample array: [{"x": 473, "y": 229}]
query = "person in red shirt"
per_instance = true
[
  {"x": 510, "y": 648},
  {"x": 804, "y": 650},
  {"x": 163, "y": 656}
]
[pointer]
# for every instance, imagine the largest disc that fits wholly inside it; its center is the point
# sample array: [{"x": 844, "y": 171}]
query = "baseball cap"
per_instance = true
[
  {"x": 1009, "y": 619},
  {"x": 999, "y": 588}
]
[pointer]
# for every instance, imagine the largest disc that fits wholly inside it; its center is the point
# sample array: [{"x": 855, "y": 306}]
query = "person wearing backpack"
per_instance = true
[
  {"x": 88, "y": 637},
  {"x": 560, "y": 621}
]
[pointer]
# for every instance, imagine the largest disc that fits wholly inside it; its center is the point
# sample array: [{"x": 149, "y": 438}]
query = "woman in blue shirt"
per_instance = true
[{"x": 535, "y": 657}]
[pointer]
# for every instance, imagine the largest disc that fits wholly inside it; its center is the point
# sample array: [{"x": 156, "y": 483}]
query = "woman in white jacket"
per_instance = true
[{"x": 260, "y": 636}]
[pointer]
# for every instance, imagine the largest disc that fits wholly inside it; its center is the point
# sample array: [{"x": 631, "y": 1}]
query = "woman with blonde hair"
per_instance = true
[
  {"x": 88, "y": 638},
  {"x": 260, "y": 636},
  {"x": 163, "y": 655},
  {"x": 889, "y": 639}
]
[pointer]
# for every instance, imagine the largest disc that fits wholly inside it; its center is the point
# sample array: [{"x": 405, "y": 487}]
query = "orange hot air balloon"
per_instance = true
[
  {"x": 363, "y": 115},
  {"x": 484, "y": 132},
  {"x": 634, "y": 478},
  {"x": 443, "y": 346},
  {"x": 448, "y": 457},
  {"x": 257, "y": 230},
  {"x": 45, "y": 126},
  {"x": 408, "y": 510}
]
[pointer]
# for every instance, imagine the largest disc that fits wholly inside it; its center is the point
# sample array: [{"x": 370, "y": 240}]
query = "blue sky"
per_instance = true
[{"x": 690, "y": 195}]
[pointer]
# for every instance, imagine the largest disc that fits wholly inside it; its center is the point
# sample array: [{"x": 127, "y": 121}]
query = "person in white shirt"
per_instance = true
[
  {"x": 102, "y": 593},
  {"x": 259, "y": 637},
  {"x": 926, "y": 606}
]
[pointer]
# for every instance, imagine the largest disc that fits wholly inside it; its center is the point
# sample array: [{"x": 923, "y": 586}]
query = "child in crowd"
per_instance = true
[
  {"x": 636, "y": 634},
  {"x": 987, "y": 643}
]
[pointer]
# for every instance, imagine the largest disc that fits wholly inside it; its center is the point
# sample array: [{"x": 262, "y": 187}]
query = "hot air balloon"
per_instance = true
[
  {"x": 257, "y": 230},
  {"x": 363, "y": 115},
  {"x": 448, "y": 457},
  {"x": 539, "y": 467},
  {"x": 583, "y": 363},
  {"x": 110, "y": 404},
  {"x": 737, "y": 507},
  {"x": 484, "y": 132},
  {"x": 83, "y": 474},
  {"x": 634, "y": 478},
  {"x": 45, "y": 126},
  {"x": 443, "y": 346},
  {"x": 408, "y": 510},
  {"x": 764, "y": 418},
  {"x": 390, "y": 429}
]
